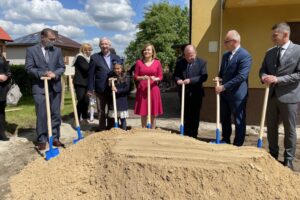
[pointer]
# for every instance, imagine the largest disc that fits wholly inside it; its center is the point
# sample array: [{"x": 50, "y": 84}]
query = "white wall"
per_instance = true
[{"x": 16, "y": 55}]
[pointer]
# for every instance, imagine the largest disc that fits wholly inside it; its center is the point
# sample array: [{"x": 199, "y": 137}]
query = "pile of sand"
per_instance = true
[{"x": 142, "y": 164}]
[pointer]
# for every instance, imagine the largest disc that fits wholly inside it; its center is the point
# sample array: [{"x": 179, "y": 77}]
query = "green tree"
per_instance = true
[{"x": 163, "y": 26}]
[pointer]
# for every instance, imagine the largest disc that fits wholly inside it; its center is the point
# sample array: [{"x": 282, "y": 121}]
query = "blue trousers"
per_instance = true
[{"x": 237, "y": 109}]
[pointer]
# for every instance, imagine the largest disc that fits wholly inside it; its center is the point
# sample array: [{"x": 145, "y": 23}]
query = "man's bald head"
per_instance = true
[
  {"x": 190, "y": 53},
  {"x": 232, "y": 40}
]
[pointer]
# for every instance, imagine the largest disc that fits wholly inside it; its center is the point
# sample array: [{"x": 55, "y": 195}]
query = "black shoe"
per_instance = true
[
  {"x": 289, "y": 164},
  {"x": 225, "y": 141},
  {"x": 275, "y": 156},
  {"x": 4, "y": 138}
]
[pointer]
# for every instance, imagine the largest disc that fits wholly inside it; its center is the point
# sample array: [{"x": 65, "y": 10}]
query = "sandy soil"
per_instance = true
[
  {"x": 17, "y": 153},
  {"x": 145, "y": 164}
]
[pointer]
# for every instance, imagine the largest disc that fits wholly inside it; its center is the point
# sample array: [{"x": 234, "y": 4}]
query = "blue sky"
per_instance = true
[{"x": 81, "y": 20}]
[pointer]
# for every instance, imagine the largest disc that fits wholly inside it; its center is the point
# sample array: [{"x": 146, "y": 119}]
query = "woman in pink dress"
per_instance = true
[{"x": 148, "y": 67}]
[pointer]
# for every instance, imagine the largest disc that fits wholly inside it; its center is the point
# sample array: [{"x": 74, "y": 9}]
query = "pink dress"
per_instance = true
[{"x": 141, "y": 102}]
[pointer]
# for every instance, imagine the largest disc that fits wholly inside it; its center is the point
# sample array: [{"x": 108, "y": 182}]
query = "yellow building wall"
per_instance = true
[
  {"x": 205, "y": 28},
  {"x": 253, "y": 23}
]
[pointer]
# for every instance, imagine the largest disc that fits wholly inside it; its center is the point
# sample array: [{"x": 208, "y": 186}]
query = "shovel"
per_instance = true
[
  {"x": 218, "y": 132},
  {"x": 182, "y": 110},
  {"x": 263, "y": 117},
  {"x": 114, "y": 102},
  {"x": 149, "y": 104},
  {"x": 75, "y": 111},
  {"x": 52, "y": 152}
]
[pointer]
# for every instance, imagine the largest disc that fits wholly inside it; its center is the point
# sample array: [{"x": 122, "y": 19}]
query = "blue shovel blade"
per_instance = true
[
  {"x": 181, "y": 130},
  {"x": 218, "y": 136},
  {"x": 259, "y": 143},
  {"x": 148, "y": 125},
  {"x": 52, "y": 152},
  {"x": 116, "y": 125},
  {"x": 80, "y": 137}
]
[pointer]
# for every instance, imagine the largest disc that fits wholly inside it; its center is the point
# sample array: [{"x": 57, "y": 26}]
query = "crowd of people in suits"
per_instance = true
[{"x": 94, "y": 74}]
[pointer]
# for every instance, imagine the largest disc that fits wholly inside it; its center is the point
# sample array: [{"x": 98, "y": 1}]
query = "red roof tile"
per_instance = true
[{"x": 4, "y": 36}]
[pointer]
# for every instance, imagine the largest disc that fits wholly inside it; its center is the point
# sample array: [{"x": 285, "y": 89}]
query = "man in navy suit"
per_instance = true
[
  {"x": 192, "y": 72},
  {"x": 235, "y": 68},
  {"x": 44, "y": 59},
  {"x": 100, "y": 68}
]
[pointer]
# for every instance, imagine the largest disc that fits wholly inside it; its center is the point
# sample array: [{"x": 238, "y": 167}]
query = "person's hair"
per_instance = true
[
  {"x": 188, "y": 47},
  {"x": 113, "y": 51},
  {"x": 122, "y": 78},
  {"x": 46, "y": 31},
  {"x": 104, "y": 38},
  {"x": 153, "y": 50},
  {"x": 235, "y": 35},
  {"x": 85, "y": 46},
  {"x": 282, "y": 27}
]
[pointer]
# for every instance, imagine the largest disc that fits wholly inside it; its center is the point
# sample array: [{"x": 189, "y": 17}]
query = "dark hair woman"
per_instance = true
[{"x": 4, "y": 87}]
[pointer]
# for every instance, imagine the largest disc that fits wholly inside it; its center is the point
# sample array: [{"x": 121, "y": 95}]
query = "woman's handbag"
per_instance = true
[{"x": 14, "y": 94}]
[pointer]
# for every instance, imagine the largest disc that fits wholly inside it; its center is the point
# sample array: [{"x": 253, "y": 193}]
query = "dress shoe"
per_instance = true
[
  {"x": 227, "y": 141},
  {"x": 4, "y": 138},
  {"x": 57, "y": 143},
  {"x": 289, "y": 164},
  {"x": 41, "y": 146}
]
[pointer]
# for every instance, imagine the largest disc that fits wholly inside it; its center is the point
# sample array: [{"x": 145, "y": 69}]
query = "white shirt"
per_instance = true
[
  {"x": 107, "y": 60},
  {"x": 234, "y": 51},
  {"x": 44, "y": 50},
  {"x": 284, "y": 48}
]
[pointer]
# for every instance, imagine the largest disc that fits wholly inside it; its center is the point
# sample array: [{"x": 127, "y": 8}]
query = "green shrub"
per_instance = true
[{"x": 21, "y": 78}]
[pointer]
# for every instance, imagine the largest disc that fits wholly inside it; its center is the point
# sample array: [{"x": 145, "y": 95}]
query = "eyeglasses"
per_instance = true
[
  {"x": 52, "y": 39},
  {"x": 227, "y": 41}
]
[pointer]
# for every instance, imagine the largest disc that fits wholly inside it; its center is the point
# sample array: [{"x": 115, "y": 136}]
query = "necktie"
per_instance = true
[
  {"x": 188, "y": 70},
  {"x": 47, "y": 55},
  {"x": 229, "y": 56},
  {"x": 278, "y": 56}
]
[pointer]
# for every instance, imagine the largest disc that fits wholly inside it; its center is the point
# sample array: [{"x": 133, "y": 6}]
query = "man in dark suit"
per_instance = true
[
  {"x": 44, "y": 59},
  {"x": 192, "y": 72},
  {"x": 281, "y": 71},
  {"x": 234, "y": 71},
  {"x": 100, "y": 68}
]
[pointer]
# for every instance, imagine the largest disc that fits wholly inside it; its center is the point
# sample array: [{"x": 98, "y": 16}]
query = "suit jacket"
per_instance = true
[
  {"x": 234, "y": 74},
  {"x": 81, "y": 71},
  {"x": 287, "y": 89},
  {"x": 197, "y": 73},
  {"x": 36, "y": 66},
  {"x": 99, "y": 72},
  {"x": 4, "y": 86}
]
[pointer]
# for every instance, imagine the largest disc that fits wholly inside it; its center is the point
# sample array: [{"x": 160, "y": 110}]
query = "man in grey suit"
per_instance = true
[
  {"x": 281, "y": 71},
  {"x": 42, "y": 60}
]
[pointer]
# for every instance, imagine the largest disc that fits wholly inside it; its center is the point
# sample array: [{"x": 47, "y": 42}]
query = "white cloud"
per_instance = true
[
  {"x": 69, "y": 31},
  {"x": 44, "y": 11},
  {"x": 119, "y": 42},
  {"x": 18, "y": 30},
  {"x": 111, "y": 14}
]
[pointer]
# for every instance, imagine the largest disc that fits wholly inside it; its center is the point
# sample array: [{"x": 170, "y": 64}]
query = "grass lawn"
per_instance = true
[{"x": 25, "y": 117}]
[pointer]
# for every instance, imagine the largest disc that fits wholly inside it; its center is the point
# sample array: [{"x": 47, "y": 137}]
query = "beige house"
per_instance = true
[
  {"x": 253, "y": 19},
  {"x": 16, "y": 50}
]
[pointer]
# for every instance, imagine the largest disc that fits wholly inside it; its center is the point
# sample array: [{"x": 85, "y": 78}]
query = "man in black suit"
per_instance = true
[
  {"x": 46, "y": 60},
  {"x": 100, "y": 68},
  {"x": 192, "y": 72}
]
